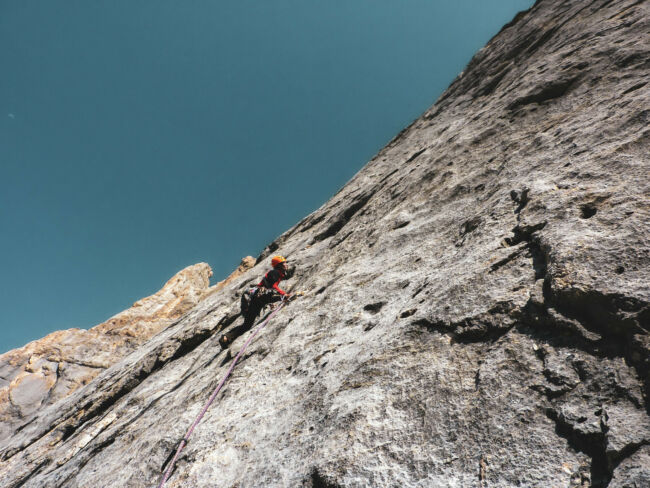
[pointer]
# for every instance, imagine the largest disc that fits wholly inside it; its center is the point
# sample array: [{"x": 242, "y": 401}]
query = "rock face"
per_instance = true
[
  {"x": 476, "y": 310},
  {"x": 47, "y": 370}
]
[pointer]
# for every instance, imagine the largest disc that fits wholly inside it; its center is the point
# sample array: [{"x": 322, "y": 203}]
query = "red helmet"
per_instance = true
[{"x": 277, "y": 260}]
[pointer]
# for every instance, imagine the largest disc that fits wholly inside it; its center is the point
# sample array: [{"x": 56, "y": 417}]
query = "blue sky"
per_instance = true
[{"x": 137, "y": 138}]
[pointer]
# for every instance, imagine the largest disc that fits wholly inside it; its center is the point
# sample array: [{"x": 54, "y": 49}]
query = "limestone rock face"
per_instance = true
[
  {"x": 475, "y": 313},
  {"x": 246, "y": 263},
  {"x": 46, "y": 370}
]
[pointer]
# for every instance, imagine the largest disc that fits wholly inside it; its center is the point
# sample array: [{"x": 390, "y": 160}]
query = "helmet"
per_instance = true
[{"x": 277, "y": 260}]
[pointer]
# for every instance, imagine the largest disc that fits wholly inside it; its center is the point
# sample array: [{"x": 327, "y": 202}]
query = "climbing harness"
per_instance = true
[{"x": 187, "y": 435}]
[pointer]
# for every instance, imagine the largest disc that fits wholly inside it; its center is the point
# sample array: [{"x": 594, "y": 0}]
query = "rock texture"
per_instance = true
[
  {"x": 476, "y": 309},
  {"x": 49, "y": 369}
]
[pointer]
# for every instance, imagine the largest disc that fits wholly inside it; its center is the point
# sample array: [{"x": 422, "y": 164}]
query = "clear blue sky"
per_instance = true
[{"x": 137, "y": 138}]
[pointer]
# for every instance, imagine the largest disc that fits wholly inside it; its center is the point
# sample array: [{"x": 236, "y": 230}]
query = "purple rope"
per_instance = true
[{"x": 186, "y": 438}]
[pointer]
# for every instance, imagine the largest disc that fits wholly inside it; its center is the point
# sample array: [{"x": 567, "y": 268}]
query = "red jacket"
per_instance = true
[{"x": 272, "y": 280}]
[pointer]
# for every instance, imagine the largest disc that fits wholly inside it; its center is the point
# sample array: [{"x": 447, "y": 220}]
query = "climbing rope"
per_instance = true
[{"x": 187, "y": 435}]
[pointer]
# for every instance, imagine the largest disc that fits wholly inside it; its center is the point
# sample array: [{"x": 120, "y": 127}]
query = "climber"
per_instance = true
[{"x": 265, "y": 292}]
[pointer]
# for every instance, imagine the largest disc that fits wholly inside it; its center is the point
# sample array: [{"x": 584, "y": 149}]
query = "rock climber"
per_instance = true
[{"x": 265, "y": 292}]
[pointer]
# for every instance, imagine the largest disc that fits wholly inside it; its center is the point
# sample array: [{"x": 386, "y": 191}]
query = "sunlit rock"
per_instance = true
[{"x": 476, "y": 305}]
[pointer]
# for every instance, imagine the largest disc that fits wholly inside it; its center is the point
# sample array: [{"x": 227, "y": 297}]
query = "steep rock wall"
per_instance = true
[
  {"x": 476, "y": 308},
  {"x": 49, "y": 369}
]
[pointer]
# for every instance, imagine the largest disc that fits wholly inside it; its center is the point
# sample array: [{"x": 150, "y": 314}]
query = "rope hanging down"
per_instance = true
[{"x": 187, "y": 435}]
